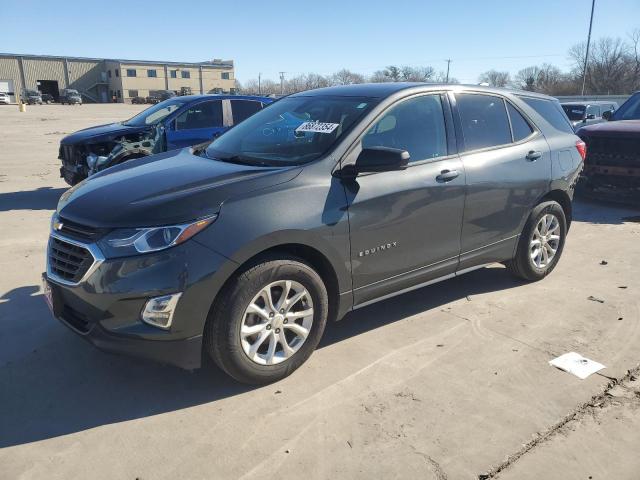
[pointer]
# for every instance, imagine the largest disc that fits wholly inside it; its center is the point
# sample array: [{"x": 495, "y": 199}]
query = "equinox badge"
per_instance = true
[{"x": 379, "y": 248}]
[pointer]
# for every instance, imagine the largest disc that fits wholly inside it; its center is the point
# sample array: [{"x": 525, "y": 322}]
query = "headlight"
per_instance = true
[{"x": 124, "y": 242}]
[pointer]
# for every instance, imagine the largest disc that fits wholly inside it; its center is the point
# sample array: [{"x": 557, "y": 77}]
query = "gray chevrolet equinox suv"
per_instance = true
[{"x": 323, "y": 202}]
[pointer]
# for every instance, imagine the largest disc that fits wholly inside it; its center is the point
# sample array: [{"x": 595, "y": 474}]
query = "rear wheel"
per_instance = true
[
  {"x": 541, "y": 242},
  {"x": 267, "y": 321}
]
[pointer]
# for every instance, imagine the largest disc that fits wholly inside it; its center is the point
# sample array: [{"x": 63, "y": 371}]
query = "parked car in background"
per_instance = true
[
  {"x": 4, "y": 98},
  {"x": 612, "y": 166},
  {"x": 244, "y": 250},
  {"x": 138, "y": 100},
  {"x": 157, "y": 96},
  {"x": 70, "y": 97},
  {"x": 582, "y": 114},
  {"x": 31, "y": 97},
  {"x": 47, "y": 98},
  {"x": 175, "y": 123}
]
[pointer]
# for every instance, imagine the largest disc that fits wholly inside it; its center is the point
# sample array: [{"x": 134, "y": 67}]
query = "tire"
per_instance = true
[
  {"x": 222, "y": 335},
  {"x": 523, "y": 265}
]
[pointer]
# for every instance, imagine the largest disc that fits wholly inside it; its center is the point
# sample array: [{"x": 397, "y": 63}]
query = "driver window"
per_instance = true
[
  {"x": 202, "y": 115},
  {"x": 415, "y": 125}
]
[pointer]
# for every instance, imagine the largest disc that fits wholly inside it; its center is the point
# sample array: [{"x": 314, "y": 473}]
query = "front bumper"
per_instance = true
[{"x": 105, "y": 307}]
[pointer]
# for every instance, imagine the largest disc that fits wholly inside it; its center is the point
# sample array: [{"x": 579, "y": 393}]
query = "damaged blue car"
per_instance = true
[{"x": 169, "y": 125}]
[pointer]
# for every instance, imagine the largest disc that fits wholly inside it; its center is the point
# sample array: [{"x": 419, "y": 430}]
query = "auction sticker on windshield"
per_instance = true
[{"x": 317, "y": 127}]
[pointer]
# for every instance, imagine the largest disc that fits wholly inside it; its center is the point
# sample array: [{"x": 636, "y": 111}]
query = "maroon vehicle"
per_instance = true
[{"x": 612, "y": 165}]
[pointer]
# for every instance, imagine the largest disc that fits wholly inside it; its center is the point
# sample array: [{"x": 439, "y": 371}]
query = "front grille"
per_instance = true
[
  {"x": 79, "y": 231},
  {"x": 613, "y": 152},
  {"x": 70, "y": 155},
  {"x": 67, "y": 261}
]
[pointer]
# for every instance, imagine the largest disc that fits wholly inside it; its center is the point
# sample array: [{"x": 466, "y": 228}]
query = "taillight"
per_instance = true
[{"x": 582, "y": 149}]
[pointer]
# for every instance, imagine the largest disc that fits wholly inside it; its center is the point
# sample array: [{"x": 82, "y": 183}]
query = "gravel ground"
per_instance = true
[{"x": 447, "y": 382}]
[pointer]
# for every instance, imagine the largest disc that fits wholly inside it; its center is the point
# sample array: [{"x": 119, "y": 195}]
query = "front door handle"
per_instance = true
[
  {"x": 447, "y": 176},
  {"x": 532, "y": 156}
]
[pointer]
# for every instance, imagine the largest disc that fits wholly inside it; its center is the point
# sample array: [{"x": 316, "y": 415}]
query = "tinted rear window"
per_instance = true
[
  {"x": 484, "y": 121},
  {"x": 551, "y": 111}
]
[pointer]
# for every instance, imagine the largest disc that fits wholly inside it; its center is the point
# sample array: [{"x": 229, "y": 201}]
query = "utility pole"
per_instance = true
[
  {"x": 586, "y": 56},
  {"x": 282, "y": 82},
  {"x": 448, "y": 63},
  {"x": 259, "y": 86}
]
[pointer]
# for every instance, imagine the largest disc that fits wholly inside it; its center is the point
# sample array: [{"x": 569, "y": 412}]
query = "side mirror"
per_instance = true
[
  {"x": 591, "y": 116},
  {"x": 607, "y": 115},
  {"x": 377, "y": 159}
]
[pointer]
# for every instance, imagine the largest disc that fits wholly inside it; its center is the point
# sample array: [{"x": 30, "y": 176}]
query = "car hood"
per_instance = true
[
  {"x": 164, "y": 189},
  {"x": 100, "y": 132},
  {"x": 620, "y": 128}
]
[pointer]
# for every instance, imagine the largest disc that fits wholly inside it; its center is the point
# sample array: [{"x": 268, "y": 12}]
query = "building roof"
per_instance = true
[{"x": 211, "y": 64}]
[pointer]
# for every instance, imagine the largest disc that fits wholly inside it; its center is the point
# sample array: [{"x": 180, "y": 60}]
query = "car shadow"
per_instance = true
[
  {"x": 53, "y": 383},
  {"x": 44, "y": 198}
]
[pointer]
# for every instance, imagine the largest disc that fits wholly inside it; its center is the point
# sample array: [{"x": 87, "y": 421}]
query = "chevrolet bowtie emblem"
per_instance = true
[{"x": 57, "y": 225}]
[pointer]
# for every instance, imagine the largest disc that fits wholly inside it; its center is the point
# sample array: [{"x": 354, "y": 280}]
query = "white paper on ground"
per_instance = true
[{"x": 576, "y": 364}]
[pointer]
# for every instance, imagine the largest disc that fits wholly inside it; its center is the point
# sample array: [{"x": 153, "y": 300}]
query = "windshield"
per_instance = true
[
  {"x": 291, "y": 131},
  {"x": 155, "y": 114},
  {"x": 630, "y": 110},
  {"x": 574, "y": 112},
  {"x": 72, "y": 92}
]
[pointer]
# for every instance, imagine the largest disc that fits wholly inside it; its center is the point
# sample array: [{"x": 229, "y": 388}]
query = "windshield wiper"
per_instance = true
[{"x": 241, "y": 160}]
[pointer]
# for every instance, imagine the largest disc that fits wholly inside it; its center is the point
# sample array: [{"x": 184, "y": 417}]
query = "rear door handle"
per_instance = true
[
  {"x": 447, "y": 175},
  {"x": 532, "y": 156}
]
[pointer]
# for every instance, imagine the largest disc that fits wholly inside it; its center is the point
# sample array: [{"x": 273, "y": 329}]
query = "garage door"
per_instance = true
[{"x": 7, "y": 87}]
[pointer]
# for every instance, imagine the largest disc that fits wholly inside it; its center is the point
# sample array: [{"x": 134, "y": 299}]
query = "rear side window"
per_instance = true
[
  {"x": 415, "y": 125},
  {"x": 551, "y": 111},
  {"x": 243, "y": 109},
  {"x": 520, "y": 127},
  {"x": 202, "y": 115},
  {"x": 484, "y": 121}
]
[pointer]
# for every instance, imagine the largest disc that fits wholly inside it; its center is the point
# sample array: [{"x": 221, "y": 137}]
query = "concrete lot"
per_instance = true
[{"x": 447, "y": 382}]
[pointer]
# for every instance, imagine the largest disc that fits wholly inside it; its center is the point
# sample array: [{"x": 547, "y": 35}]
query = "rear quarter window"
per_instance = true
[{"x": 551, "y": 111}]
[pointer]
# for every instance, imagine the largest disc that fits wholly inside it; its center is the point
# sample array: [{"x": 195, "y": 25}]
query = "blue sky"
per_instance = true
[{"x": 319, "y": 36}]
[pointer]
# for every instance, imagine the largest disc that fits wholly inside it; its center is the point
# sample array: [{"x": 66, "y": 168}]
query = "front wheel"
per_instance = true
[
  {"x": 267, "y": 321},
  {"x": 541, "y": 242}
]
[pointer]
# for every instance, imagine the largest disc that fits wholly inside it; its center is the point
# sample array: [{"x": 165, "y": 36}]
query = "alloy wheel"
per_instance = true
[
  {"x": 545, "y": 241},
  {"x": 277, "y": 322}
]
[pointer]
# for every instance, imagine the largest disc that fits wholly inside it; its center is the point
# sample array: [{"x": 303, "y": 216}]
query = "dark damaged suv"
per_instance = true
[
  {"x": 612, "y": 167},
  {"x": 172, "y": 124},
  {"x": 321, "y": 203}
]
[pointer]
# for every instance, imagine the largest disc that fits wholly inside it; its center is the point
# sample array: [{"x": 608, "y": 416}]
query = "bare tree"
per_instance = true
[
  {"x": 634, "y": 81},
  {"x": 545, "y": 78},
  {"x": 611, "y": 67},
  {"x": 389, "y": 74},
  {"x": 417, "y": 74},
  {"x": 346, "y": 77},
  {"x": 441, "y": 77},
  {"x": 393, "y": 73},
  {"x": 495, "y": 78},
  {"x": 527, "y": 78}
]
